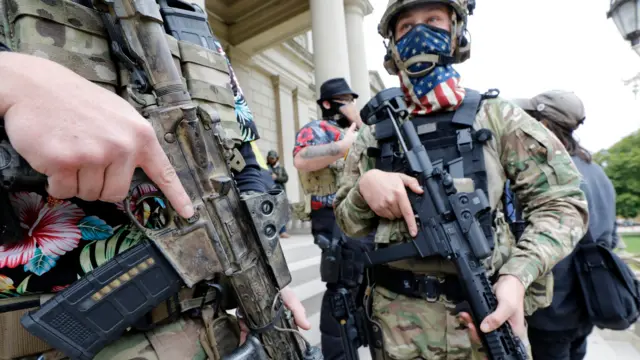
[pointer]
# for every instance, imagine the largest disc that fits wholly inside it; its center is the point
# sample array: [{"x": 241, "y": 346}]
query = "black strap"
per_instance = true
[
  {"x": 466, "y": 113},
  {"x": 588, "y": 237},
  {"x": 414, "y": 285}
]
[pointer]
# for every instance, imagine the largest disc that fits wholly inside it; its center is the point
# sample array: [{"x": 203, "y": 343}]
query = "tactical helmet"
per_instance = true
[{"x": 461, "y": 8}]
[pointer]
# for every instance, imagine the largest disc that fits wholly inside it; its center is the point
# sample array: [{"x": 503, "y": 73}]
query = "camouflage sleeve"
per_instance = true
[
  {"x": 547, "y": 184},
  {"x": 353, "y": 214},
  {"x": 281, "y": 175}
]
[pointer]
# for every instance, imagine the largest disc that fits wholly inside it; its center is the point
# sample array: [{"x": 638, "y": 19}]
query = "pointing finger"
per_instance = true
[{"x": 159, "y": 170}]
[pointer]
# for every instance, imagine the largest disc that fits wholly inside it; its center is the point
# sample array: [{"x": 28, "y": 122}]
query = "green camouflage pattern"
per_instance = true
[
  {"x": 178, "y": 340},
  {"x": 415, "y": 329},
  {"x": 545, "y": 181},
  {"x": 64, "y": 32}
]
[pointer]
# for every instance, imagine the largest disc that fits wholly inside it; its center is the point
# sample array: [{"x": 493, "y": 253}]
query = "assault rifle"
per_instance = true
[
  {"x": 228, "y": 235},
  {"x": 447, "y": 225}
]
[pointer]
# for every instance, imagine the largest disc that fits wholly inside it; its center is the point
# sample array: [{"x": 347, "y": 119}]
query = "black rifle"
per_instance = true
[{"x": 447, "y": 225}]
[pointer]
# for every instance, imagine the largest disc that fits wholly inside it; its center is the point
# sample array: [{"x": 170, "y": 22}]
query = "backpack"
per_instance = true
[{"x": 610, "y": 288}]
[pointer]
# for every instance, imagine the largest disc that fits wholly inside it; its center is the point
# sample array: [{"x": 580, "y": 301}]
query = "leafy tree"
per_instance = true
[{"x": 622, "y": 164}]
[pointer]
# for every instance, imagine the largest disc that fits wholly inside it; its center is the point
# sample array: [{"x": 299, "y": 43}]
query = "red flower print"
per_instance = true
[
  {"x": 59, "y": 288},
  {"x": 52, "y": 228},
  {"x": 331, "y": 130}
]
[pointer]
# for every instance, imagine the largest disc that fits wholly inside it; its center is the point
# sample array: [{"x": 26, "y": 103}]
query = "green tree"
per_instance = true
[{"x": 622, "y": 164}]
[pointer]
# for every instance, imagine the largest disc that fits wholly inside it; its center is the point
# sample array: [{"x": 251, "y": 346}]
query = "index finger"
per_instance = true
[
  {"x": 407, "y": 214},
  {"x": 160, "y": 171}
]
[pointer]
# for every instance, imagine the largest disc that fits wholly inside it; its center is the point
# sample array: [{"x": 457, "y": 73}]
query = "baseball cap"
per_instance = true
[{"x": 562, "y": 107}]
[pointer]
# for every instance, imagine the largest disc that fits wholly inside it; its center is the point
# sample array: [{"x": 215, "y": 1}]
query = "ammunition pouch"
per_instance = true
[
  {"x": 429, "y": 288},
  {"x": 24, "y": 20},
  {"x": 320, "y": 183}
]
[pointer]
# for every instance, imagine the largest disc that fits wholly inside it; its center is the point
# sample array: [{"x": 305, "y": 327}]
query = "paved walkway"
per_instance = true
[{"x": 303, "y": 258}]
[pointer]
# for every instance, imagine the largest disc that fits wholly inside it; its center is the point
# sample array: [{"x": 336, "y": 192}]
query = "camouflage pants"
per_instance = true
[{"x": 416, "y": 329}]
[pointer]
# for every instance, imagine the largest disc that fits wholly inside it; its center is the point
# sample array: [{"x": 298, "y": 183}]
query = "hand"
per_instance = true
[
  {"x": 351, "y": 112},
  {"x": 510, "y": 295},
  {"x": 273, "y": 176},
  {"x": 348, "y": 138},
  {"x": 386, "y": 195},
  {"x": 87, "y": 140},
  {"x": 292, "y": 303}
]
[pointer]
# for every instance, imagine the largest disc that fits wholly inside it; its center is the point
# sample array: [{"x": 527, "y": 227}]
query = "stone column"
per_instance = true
[
  {"x": 355, "y": 11},
  {"x": 285, "y": 118},
  {"x": 330, "y": 54}
]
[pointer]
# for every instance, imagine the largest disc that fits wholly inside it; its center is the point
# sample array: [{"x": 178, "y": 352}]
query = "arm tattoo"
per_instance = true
[{"x": 317, "y": 151}]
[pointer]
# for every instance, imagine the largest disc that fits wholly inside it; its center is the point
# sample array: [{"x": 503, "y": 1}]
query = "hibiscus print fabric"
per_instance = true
[
  {"x": 243, "y": 113},
  {"x": 318, "y": 132},
  {"x": 63, "y": 240}
]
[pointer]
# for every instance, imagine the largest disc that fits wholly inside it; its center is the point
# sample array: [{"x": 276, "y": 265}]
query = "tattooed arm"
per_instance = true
[
  {"x": 318, "y": 157},
  {"x": 319, "y": 144}
]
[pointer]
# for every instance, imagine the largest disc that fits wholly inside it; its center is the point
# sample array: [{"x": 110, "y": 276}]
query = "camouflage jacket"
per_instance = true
[
  {"x": 281, "y": 175},
  {"x": 544, "y": 179}
]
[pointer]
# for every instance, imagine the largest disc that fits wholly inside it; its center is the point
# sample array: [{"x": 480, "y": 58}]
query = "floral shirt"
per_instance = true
[
  {"x": 63, "y": 240},
  {"x": 318, "y": 132}
]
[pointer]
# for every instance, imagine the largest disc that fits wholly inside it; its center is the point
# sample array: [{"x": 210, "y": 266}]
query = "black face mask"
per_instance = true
[{"x": 335, "y": 114}]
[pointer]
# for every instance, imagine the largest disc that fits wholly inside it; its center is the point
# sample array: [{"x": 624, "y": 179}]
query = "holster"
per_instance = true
[{"x": 341, "y": 263}]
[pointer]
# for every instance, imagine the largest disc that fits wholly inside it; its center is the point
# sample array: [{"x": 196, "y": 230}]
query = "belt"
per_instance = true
[{"x": 419, "y": 286}]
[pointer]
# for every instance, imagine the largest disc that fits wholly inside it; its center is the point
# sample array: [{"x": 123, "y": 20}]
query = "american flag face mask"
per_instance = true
[{"x": 428, "y": 86}]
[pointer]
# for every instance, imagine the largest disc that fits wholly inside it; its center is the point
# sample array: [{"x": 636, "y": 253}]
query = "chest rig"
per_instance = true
[{"x": 451, "y": 143}]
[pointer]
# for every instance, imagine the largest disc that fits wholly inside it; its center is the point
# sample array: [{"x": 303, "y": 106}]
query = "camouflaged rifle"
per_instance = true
[{"x": 228, "y": 235}]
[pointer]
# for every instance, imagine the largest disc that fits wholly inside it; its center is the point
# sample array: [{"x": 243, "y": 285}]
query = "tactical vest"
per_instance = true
[
  {"x": 324, "y": 181},
  {"x": 452, "y": 145}
]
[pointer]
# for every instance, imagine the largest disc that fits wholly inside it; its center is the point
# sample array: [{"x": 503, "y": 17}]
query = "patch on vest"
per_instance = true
[
  {"x": 464, "y": 185},
  {"x": 426, "y": 128}
]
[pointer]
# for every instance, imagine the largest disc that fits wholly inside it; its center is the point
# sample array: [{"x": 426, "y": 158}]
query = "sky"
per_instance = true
[{"x": 525, "y": 47}]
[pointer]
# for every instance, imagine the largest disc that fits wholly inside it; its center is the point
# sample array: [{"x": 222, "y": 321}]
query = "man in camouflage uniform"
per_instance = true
[
  {"x": 280, "y": 177},
  {"x": 425, "y": 38},
  {"x": 88, "y": 142}
]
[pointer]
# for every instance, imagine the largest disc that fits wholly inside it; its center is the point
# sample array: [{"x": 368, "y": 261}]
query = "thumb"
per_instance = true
[
  {"x": 353, "y": 127},
  {"x": 496, "y": 318},
  {"x": 412, "y": 183},
  {"x": 292, "y": 302}
]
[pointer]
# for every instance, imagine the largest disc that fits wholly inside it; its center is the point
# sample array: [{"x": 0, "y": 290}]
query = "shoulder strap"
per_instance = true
[
  {"x": 588, "y": 238},
  {"x": 466, "y": 113}
]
